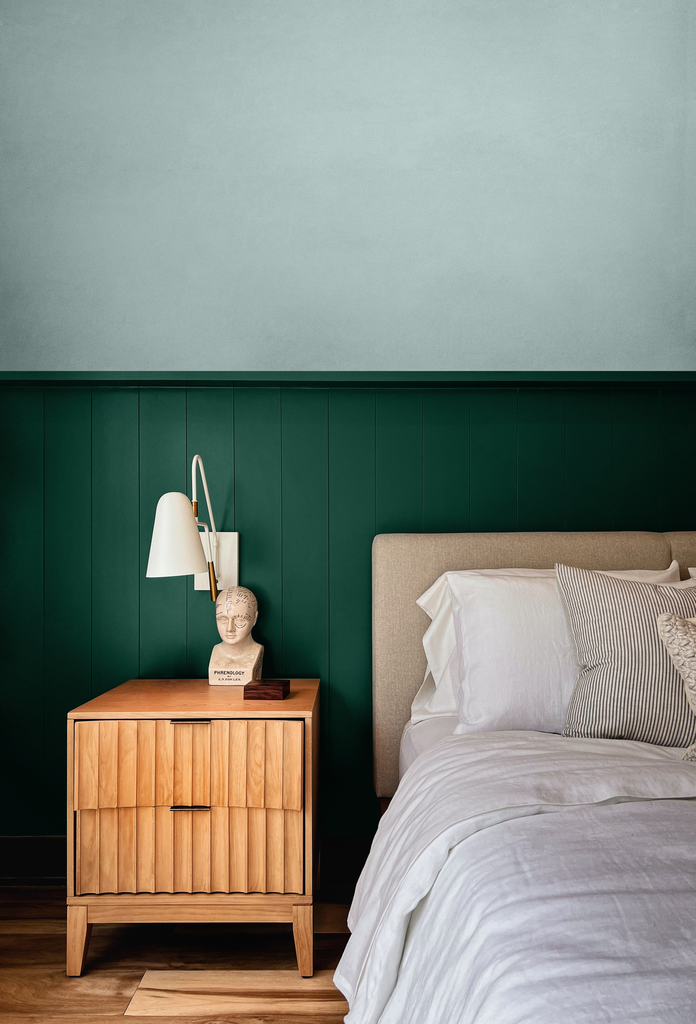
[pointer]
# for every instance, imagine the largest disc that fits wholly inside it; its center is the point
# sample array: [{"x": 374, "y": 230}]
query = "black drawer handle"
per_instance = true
[
  {"x": 189, "y": 721},
  {"x": 189, "y": 807}
]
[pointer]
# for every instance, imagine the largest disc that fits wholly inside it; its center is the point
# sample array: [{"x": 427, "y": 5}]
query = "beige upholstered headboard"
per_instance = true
[{"x": 404, "y": 565}]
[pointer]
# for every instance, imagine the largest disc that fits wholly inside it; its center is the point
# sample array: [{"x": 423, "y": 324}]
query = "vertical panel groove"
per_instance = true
[
  {"x": 446, "y": 461},
  {"x": 347, "y": 745},
  {"x": 115, "y": 554},
  {"x": 540, "y": 459},
  {"x": 257, "y": 487},
  {"x": 493, "y": 460},
  {"x": 161, "y": 468},
  {"x": 677, "y": 421},
  {"x": 67, "y": 557},
  {"x": 209, "y": 432},
  {"x": 636, "y": 459},
  {"x": 282, "y": 538}
]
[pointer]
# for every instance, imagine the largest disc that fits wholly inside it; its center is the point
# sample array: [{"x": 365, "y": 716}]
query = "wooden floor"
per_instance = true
[{"x": 34, "y": 988}]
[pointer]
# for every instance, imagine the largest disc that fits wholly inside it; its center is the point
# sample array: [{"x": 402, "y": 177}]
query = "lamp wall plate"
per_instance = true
[{"x": 226, "y": 564}]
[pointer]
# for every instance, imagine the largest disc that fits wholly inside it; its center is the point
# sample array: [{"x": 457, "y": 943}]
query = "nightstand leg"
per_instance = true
[
  {"x": 79, "y": 932},
  {"x": 303, "y": 931}
]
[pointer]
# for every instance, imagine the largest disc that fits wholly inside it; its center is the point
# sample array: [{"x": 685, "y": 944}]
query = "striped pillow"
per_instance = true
[{"x": 628, "y": 687}]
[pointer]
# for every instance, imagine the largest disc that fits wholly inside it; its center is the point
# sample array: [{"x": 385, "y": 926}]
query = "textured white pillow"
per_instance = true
[
  {"x": 439, "y": 694},
  {"x": 679, "y": 637}
]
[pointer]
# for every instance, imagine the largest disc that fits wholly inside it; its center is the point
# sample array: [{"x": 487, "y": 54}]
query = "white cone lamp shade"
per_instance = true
[{"x": 175, "y": 549}]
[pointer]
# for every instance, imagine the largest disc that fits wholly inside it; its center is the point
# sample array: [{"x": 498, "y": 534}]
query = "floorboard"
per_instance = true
[
  {"x": 187, "y": 993},
  {"x": 36, "y": 927},
  {"x": 225, "y": 1018},
  {"x": 34, "y": 988}
]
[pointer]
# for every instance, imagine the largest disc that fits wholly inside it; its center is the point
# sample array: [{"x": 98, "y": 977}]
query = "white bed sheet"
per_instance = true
[
  {"x": 467, "y": 793},
  {"x": 418, "y": 737},
  {"x": 584, "y": 916}
]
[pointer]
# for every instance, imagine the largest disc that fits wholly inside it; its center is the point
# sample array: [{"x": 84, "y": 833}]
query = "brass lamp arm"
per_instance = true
[
  {"x": 212, "y": 537},
  {"x": 198, "y": 461}
]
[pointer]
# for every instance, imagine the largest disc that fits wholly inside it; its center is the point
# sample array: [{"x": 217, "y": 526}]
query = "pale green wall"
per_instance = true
[{"x": 348, "y": 184}]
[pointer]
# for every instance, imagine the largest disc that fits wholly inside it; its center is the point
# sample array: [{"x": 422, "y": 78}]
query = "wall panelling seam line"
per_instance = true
[
  {"x": 187, "y": 461},
  {"x": 327, "y": 687},
  {"x": 140, "y": 582},
  {"x": 565, "y": 461},
  {"x": 659, "y": 459},
  {"x": 517, "y": 458},
  {"x": 612, "y": 497},
  {"x": 660, "y": 470},
  {"x": 91, "y": 542},
  {"x": 233, "y": 395},
  {"x": 374, "y": 396},
  {"x": 43, "y": 592},
  {"x": 234, "y": 464},
  {"x": 282, "y": 537},
  {"x": 468, "y": 399},
  {"x": 91, "y": 535},
  {"x": 422, "y": 481}
]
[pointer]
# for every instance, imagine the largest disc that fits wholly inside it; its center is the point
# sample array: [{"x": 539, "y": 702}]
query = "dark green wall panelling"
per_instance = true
[
  {"x": 677, "y": 433},
  {"x": 351, "y": 529},
  {"x": 209, "y": 431},
  {"x": 116, "y": 580},
  {"x": 162, "y": 444},
  {"x": 445, "y": 461},
  {"x": 588, "y": 456},
  {"x": 307, "y": 476},
  {"x": 540, "y": 462},
  {"x": 636, "y": 458},
  {"x": 399, "y": 461},
  {"x": 258, "y": 501},
  {"x": 22, "y": 607},
  {"x": 493, "y": 460},
  {"x": 67, "y": 577},
  {"x": 305, "y": 533}
]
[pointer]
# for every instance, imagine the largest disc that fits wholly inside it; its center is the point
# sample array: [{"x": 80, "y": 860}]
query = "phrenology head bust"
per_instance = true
[{"x": 236, "y": 611}]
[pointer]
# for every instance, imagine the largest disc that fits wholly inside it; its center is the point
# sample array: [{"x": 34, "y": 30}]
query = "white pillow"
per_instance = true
[
  {"x": 516, "y": 659},
  {"x": 692, "y": 573},
  {"x": 439, "y": 694}
]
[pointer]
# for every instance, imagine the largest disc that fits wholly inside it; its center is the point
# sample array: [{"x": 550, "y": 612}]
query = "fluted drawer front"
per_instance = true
[
  {"x": 257, "y": 764},
  {"x": 244, "y": 763},
  {"x": 141, "y": 764},
  {"x": 134, "y": 781},
  {"x": 154, "y": 849}
]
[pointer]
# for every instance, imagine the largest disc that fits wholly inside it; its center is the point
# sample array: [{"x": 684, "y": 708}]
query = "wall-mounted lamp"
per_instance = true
[{"x": 178, "y": 548}]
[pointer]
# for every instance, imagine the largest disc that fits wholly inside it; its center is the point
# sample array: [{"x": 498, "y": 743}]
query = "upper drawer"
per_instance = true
[{"x": 145, "y": 763}]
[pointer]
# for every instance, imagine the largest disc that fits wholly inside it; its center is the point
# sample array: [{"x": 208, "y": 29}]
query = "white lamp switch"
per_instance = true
[{"x": 226, "y": 563}]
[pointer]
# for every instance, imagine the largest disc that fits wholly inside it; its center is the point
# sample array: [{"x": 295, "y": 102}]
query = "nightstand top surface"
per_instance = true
[{"x": 195, "y": 698}]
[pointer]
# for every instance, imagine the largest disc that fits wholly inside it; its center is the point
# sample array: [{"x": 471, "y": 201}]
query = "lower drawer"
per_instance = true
[{"x": 155, "y": 849}]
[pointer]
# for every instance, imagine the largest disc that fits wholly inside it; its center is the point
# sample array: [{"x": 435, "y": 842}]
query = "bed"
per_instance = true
[{"x": 517, "y": 875}]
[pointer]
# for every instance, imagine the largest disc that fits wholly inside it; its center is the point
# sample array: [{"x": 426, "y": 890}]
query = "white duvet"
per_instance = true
[{"x": 587, "y": 914}]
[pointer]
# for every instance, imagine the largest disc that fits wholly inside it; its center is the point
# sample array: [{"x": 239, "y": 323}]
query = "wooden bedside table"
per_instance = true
[{"x": 188, "y": 803}]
